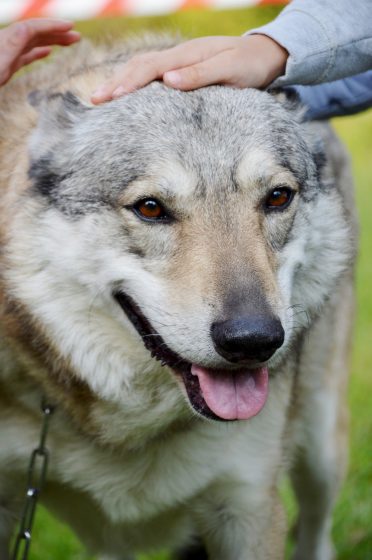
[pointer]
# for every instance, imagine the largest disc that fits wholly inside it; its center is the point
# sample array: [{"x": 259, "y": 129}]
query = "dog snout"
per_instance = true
[{"x": 247, "y": 338}]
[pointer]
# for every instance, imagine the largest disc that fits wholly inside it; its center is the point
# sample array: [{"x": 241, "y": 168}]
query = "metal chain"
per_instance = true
[{"x": 36, "y": 476}]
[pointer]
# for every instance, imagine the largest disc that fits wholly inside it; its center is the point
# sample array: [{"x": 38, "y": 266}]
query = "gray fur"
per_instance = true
[
  {"x": 134, "y": 464},
  {"x": 207, "y": 131}
]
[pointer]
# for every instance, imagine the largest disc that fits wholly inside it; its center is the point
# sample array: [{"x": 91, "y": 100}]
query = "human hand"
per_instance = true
[
  {"x": 26, "y": 41},
  {"x": 250, "y": 61}
]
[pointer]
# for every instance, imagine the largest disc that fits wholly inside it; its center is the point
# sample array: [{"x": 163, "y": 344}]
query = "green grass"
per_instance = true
[{"x": 353, "y": 515}]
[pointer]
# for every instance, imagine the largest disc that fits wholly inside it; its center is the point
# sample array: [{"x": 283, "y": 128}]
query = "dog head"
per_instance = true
[{"x": 194, "y": 227}]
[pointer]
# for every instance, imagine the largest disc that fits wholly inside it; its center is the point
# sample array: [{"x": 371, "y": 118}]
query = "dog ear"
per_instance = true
[
  {"x": 51, "y": 141},
  {"x": 58, "y": 113},
  {"x": 67, "y": 104},
  {"x": 291, "y": 100}
]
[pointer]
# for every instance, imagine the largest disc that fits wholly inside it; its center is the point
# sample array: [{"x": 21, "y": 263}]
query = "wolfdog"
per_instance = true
[{"x": 176, "y": 279}]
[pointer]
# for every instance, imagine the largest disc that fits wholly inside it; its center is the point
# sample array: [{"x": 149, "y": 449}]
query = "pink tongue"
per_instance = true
[{"x": 233, "y": 395}]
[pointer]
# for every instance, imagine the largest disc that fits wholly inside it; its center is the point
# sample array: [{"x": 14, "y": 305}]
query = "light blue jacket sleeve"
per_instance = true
[
  {"x": 342, "y": 97},
  {"x": 326, "y": 39}
]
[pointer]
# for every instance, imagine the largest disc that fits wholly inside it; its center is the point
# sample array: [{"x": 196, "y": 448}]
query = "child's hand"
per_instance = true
[
  {"x": 23, "y": 42},
  {"x": 251, "y": 61}
]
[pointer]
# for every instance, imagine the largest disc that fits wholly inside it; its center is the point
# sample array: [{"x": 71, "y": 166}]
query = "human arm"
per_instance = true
[
  {"x": 326, "y": 39},
  {"x": 339, "y": 98},
  {"x": 24, "y": 42}
]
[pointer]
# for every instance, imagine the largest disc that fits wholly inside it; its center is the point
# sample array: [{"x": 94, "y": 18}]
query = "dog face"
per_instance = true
[{"x": 195, "y": 225}]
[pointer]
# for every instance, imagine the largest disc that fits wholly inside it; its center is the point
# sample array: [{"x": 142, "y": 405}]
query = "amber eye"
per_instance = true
[
  {"x": 279, "y": 198},
  {"x": 151, "y": 210}
]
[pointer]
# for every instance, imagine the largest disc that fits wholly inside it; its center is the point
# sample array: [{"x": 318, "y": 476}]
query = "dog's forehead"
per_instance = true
[
  {"x": 218, "y": 134},
  {"x": 212, "y": 116}
]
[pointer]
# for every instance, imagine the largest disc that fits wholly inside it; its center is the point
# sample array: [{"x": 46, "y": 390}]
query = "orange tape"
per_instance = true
[
  {"x": 36, "y": 8},
  {"x": 113, "y": 8},
  {"x": 187, "y": 4},
  {"x": 41, "y": 8}
]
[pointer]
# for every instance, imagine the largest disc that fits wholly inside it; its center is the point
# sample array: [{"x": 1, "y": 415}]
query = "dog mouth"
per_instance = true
[{"x": 217, "y": 394}]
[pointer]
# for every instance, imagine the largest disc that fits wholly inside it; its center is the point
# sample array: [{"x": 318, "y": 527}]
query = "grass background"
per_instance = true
[{"x": 353, "y": 515}]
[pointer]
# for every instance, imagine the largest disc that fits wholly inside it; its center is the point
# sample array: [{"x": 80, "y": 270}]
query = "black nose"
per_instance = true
[{"x": 247, "y": 338}]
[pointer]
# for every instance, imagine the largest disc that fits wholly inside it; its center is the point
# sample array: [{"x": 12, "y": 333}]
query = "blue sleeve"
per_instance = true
[
  {"x": 342, "y": 97},
  {"x": 326, "y": 40}
]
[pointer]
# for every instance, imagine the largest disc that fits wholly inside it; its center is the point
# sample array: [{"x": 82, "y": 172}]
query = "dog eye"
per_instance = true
[
  {"x": 151, "y": 210},
  {"x": 279, "y": 198}
]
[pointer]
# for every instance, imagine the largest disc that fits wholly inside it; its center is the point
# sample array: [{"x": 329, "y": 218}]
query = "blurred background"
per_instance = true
[
  {"x": 88, "y": 9},
  {"x": 193, "y": 18}
]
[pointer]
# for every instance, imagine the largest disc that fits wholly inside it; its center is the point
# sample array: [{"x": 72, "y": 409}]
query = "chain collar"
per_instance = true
[{"x": 36, "y": 476}]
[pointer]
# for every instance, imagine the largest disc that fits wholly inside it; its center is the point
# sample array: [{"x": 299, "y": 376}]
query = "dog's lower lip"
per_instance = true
[
  {"x": 195, "y": 396},
  {"x": 151, "y": 339}
]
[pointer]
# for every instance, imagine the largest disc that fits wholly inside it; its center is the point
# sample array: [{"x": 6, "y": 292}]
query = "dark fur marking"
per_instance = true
[
  {"x": 72, "y": 100},
  {"x": 131, "y": 175},
  {"x": 320, "y": 159},
  {"x": 279, "y": 243},
  {"x": 34, "y": 98},
  {"x": 49, "y": 184},
  {"x": 45, "y": 181},
  {"x": 284, "y": 153},
  {"x": 197, "y": 115},
  {"x": 287, "y": 96},
  {"x": 193, "y": 552},
  {"x": 137, "y": 251},
  {"x": 233, "y": 177}
]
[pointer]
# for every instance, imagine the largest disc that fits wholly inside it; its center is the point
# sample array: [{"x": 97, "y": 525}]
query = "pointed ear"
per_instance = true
[
  {"x": 291, "y": 100},
  {"x": 58, "y": 113}
]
